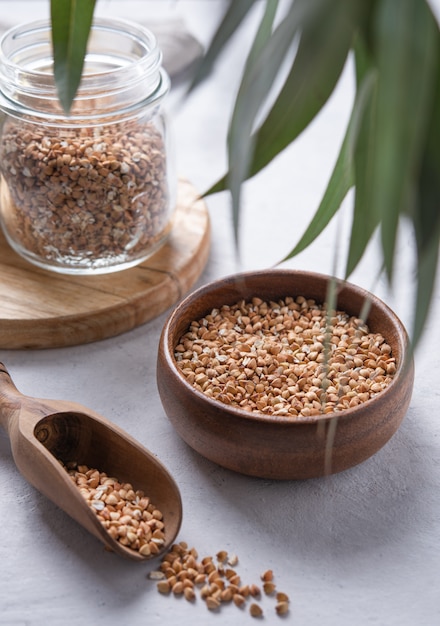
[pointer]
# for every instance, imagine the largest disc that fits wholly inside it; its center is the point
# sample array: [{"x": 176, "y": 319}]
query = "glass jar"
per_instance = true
[{"x": 94, "y": 191}]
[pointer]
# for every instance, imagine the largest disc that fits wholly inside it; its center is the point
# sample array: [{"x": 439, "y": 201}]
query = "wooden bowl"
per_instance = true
[{"x": 279, "y": 447}]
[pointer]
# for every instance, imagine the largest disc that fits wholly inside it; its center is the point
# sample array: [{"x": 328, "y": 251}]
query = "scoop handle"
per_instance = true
[{"x": 10, "y": 399}]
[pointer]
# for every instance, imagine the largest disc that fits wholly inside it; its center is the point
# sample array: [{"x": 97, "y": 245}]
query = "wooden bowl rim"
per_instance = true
[{"x": 404, "y": 365}]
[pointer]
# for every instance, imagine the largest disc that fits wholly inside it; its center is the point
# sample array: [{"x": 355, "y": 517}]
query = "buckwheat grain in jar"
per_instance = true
[{"x": 92, "y": 192}]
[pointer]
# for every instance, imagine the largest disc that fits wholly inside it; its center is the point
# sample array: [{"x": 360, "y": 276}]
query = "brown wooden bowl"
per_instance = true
[{"x": 279, "y": 447}]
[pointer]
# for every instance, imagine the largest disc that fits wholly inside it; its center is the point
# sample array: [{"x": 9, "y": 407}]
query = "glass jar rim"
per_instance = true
[
  {"x": 26, "y": 64},
  {"x": 151, "y": 60}
]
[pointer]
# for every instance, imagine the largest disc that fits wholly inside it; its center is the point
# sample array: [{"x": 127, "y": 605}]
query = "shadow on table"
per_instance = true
[
  {"x": 45, "y": 530},
  {"x": 358, "y": 510}
]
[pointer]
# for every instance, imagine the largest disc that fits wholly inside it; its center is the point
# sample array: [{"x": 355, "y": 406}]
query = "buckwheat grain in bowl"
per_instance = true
[{"x": 257, "y": 376}]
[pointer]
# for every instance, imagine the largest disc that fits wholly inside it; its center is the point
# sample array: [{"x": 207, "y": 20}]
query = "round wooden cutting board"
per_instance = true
[{"x": 42, "y": 309}]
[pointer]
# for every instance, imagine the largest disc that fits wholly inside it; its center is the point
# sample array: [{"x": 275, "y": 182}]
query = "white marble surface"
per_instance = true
[{"x": 358, "y": 548}]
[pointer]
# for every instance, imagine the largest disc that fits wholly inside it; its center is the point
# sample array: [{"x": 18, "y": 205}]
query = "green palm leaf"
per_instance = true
[
  {"x": 247, "y": 104},
  {"x": 342, "y": 177},
  {"x": 407, "y": 57},
  {"x": 71, "y": 23},
  {"x": 326, "y": 37},
  {"x": 365, "y": 217},
  {"x": 234, "y": 16},
  {"x": 426, "y": 219}
]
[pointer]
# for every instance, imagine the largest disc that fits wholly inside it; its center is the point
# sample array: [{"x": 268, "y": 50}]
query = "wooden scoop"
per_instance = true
[{"x": 44, "y": 432}]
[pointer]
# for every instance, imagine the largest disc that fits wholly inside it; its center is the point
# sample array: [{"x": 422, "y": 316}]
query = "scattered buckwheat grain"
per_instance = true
[{"x": 181, "y": 571}]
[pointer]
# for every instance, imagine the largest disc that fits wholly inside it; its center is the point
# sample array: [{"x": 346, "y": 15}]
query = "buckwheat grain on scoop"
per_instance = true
[
  {"x": 284, "y": 358},
  {"x": 127, "y": 515}
]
